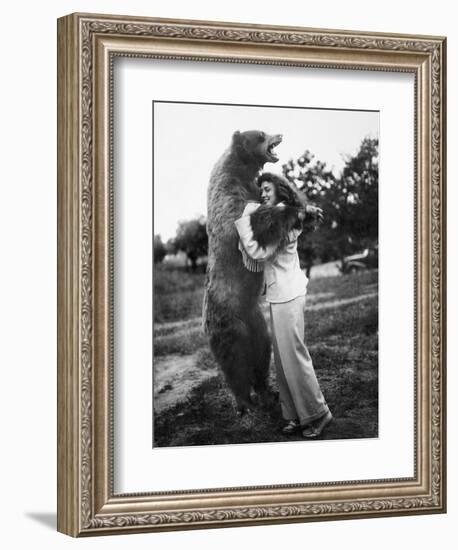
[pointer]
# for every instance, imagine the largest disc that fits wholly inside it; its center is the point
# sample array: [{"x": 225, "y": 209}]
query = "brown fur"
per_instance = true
[
  {"x": 234, "y": 323},
  {"x": 271, "y": 225}
]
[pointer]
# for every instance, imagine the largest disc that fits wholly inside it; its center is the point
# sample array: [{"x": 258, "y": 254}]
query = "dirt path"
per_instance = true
[
  {"x": 175, "y": 376},
  {"x": 341, "y": 302}
]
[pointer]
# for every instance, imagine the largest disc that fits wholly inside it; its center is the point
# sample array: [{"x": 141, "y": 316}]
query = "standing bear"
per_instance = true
[{"x": 236, "y": 328}]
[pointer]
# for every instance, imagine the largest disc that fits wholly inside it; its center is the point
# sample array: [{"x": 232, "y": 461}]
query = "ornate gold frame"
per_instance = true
[{"x": 87, "y": 44}]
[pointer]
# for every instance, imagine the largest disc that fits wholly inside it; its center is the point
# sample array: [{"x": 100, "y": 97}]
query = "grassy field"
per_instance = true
[{"x": 192, "y": 404}]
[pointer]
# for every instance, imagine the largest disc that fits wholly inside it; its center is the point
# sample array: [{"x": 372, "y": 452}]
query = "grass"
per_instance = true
[
  {"x": 177, "y": 294},
  {"x": 342, "y": 336}
]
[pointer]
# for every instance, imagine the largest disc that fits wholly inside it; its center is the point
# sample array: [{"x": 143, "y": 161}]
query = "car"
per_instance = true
[{"x": 367, "y": 259}]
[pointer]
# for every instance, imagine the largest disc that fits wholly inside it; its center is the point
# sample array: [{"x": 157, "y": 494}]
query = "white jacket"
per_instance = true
[{"x": 282, "y": 273}]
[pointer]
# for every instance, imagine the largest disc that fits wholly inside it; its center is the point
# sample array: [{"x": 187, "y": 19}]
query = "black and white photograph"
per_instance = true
[{"x": 265, "y": 279}]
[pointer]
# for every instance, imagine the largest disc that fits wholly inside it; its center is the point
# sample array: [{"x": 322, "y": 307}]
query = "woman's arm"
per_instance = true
[{"x": 254, "y": 250}]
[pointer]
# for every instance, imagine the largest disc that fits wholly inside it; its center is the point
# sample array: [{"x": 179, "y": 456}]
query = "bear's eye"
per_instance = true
[{"x": 262, "y": 137}]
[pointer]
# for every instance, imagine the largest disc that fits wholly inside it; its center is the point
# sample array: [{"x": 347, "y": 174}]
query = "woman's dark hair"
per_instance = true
[{"x": 284, "y": 190}]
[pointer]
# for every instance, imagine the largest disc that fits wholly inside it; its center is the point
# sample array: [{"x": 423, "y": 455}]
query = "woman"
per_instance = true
[{"x": 302, "y": 403}]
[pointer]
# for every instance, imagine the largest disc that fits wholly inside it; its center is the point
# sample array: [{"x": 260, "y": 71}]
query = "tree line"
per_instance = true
[
  {"x": 349, "y": 202},
  {"x": 191, "y": 238}
]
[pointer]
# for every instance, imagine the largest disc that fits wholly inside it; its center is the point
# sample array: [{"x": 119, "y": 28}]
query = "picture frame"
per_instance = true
[{"x": 87, "y": 46}]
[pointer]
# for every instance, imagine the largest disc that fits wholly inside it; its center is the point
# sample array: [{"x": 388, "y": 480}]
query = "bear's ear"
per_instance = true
[{"x": 236, "y": 137}]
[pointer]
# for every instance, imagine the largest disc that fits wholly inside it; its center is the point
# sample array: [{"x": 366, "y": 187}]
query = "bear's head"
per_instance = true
[{"x": 256, "y": 147}]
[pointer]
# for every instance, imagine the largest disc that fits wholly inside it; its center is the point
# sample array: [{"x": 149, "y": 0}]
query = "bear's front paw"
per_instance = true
[{"x": 314, "y": 213}]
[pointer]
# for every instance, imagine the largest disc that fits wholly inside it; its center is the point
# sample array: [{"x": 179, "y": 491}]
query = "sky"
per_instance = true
[{"x": 190, "y": 138}]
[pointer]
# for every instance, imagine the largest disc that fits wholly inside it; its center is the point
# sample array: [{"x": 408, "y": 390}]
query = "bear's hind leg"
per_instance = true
[
  {"x": 236, "y": 369},
  {"x": 232, "y": 349},
  {"x": 261, "y": 358}
]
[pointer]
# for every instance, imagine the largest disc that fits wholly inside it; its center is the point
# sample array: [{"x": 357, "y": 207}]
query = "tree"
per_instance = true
[
  {"x": 349, "y": 202},
  {"x": 171, "y": 247},
  {"x": 159, "y": 250},
  {"x": 355, "y": 195},
  {"x": 192, "y": 239}
]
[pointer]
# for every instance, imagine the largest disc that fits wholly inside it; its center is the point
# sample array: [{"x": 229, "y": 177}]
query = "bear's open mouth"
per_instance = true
[{"x": 275, "y": 141}]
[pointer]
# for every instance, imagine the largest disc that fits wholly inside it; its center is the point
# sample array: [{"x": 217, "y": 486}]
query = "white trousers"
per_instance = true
[{"x": 300, "y": 394}]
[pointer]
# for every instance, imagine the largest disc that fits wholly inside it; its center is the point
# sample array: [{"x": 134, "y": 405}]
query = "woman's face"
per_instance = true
[{"x": 268, "y": 194}]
